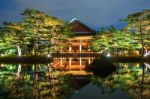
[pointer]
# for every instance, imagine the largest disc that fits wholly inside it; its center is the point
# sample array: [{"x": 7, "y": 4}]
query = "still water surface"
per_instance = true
[{"x": 128, "y": 81}]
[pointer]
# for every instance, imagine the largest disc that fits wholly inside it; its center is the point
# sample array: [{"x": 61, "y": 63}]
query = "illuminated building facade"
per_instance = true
[{"x": 77, "y": 44}]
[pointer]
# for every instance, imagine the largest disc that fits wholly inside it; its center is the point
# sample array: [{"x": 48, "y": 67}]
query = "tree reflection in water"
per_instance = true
[
  {"x": 35, "y": 83},
  {"x": 102, "y": 67},
  {"x": 41, "y": 81},
  {"x": 129, "y": 77}
]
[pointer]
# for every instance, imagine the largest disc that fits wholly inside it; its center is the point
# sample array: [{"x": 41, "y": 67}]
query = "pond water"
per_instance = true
[{"x": 127, "y": 81}]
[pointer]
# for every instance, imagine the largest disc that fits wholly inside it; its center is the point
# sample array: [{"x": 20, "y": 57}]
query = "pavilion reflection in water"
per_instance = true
[
  {"x": 78, "y": 44},
  {"x": 72, "y": 63}
]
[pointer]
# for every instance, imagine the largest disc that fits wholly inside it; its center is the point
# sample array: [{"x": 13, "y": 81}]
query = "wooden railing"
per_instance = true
[
  {"x": 77, "y": 43},
  {"x": 70, "y": 54}
]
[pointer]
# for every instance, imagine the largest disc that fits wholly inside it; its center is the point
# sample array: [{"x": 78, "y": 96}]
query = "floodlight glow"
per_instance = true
[
  {"x": 108, "y": 54},
  {"x": 2, "y": 55},
  {"x": 19, "y": 51},
  {"x": 48, "y": 55}
]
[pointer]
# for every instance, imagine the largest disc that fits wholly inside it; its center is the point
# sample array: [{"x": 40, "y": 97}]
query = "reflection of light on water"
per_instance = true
[
  {"x": 76, "y": 91},
  {"x": 147, "y": 53},
  {"x": 56, "y": 85},
  {"x": 18, "y": 71},
  {"x": 147, "y": 66}
]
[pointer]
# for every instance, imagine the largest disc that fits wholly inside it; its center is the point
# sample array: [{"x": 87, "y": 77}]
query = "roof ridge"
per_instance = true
[{"x": 72, "y": 20}]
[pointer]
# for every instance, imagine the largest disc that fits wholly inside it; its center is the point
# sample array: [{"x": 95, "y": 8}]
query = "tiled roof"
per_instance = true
[{"x": 79, "y": 28}]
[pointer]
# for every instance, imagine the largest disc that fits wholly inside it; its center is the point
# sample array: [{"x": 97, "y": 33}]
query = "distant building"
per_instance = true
[
  {"x": 82, "y": 34},
  {"x": 78, "y": 43}
]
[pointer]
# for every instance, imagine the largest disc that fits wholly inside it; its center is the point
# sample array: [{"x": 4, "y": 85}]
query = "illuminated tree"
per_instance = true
[
  {"x": 139, "y": 23},
  {"x": 37, "y": 34},
  {"x": 47, "y": 31},
  {"x": 125, "y": 41},
  {"x": 115, "y": 41},
  {"x": 8, "y": 36},
  {"x": 103, "y": 40},
  {"x": 40, "y": 26}
]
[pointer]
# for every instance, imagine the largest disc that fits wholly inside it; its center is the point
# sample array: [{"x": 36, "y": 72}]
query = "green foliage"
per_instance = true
[
  {"x": 135, "y": 36},
  {"x": 55, "y": 86},
  {"x": 127, "y": 78},
  {"x": 139, "y": 23},
  {"x": 115, "y": 40},
  {"x": 8, "y": 68},
  {"x": 37, "y": 33}
]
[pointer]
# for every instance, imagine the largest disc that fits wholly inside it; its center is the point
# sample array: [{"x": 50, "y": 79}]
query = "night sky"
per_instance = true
[{"x": 94, "y": 13}]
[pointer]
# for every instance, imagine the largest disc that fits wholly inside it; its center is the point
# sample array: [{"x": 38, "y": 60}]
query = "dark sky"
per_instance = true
[{"x": 94, "y": 13}]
